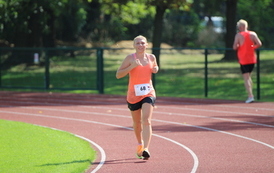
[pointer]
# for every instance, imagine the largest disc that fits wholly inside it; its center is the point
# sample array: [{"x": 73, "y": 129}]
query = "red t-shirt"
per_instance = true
[{"x": 246, "y": 52}]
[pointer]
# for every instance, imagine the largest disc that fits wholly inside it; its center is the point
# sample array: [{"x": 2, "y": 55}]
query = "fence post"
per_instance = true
[
  {"x": 0, "y": 69},
  {"x": 46, "y": 80},
  {"x": 258, "y": 75},
  {"x": 206, "y": 73},
  {"x": 100, "y": 71}
]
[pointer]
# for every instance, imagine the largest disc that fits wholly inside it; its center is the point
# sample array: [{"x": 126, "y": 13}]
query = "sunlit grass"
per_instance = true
[{"x": 29, "y": 148}]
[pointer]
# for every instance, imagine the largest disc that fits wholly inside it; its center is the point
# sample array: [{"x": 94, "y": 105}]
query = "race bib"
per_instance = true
[{"x": 142, "y": 89}]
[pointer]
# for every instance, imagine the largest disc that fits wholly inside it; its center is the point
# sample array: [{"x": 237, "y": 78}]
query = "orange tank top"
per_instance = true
[
  {"x": 140, "y": 84},
  {"x": 246, "y": 53}
]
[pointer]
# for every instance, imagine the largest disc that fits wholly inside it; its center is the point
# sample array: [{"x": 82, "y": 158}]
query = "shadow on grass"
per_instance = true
[
  {"x": 65, "y": 163},
  {"x": 120, "y": 161}
]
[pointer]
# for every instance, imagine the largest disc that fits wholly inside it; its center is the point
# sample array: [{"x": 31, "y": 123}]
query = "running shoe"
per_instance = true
[
  {"x": 146, "y": 154},
  {"x": 249, "y": 100},
  {"x": 139, "y": 152}
]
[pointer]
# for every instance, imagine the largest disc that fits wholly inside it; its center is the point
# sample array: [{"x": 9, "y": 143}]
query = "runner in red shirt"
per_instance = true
[
  {"x": 141, "y": 94},
  {"x": 245, "y": 43}
]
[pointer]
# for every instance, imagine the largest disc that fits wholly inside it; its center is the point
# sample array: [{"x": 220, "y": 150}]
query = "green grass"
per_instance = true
[
  {"x": 181, "y": 75},
  {"x": 28, "y": 148}
]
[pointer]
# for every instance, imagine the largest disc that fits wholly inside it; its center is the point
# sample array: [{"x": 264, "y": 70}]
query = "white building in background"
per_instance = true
[{"x": 217, "y": 21}]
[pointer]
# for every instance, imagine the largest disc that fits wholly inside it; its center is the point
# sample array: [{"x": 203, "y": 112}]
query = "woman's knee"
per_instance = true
[{"x": 146, "y": 122}]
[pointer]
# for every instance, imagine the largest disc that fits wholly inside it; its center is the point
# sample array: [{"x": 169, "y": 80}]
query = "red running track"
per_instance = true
[{"x": 189, "y": 135}]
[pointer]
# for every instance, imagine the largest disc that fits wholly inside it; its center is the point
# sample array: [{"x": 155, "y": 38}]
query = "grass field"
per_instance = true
[
  {"x": 30, "y": 149},
  {"x": 182, "y": 74}
]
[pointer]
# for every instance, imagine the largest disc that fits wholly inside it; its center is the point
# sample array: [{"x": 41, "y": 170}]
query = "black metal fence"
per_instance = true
[
  {"x": 183, "y": 72},
  {"x": 52, "y": 69}
]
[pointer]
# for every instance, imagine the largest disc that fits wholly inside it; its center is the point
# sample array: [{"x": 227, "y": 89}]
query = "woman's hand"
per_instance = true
[
  {"x": 155, "y": 69},
  {"x": 136, "y": 62}
]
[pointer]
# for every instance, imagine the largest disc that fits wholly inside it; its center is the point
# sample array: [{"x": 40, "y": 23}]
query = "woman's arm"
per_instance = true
[
  {"x": 127, "y": 65},
  {"x": 155, "y": 67}
]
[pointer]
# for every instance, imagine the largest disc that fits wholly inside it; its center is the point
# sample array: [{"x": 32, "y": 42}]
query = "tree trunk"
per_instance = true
[
  {"x": 35, "y": 36},
  {"x": 157, "y": 32},
  {"x": 49, "y": 38},
  {"x": 231, "y": 7}
]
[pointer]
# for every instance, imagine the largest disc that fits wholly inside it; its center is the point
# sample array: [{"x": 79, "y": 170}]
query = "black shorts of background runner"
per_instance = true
[
  {"x": 248, "y": 68},
  {"x": 136, "y": 106}
]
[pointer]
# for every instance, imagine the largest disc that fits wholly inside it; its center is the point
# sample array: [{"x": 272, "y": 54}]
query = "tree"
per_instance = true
[
  {"x": 32, "y": 23},
  {"x": 161, "y": 7},
  {"x": 231, "y": 9},
  {"x": 259, "y": 16},
  {"x": 110, "y": 20},
  {"x": 157, "y": 31},
  {"x": 252, "y": 11},
  {"x": 212, "y": 7}
]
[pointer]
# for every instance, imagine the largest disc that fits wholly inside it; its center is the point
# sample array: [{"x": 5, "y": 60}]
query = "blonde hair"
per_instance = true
[
  {"x": 139, "y": 37},
  {"x": 242, "y": 22}
]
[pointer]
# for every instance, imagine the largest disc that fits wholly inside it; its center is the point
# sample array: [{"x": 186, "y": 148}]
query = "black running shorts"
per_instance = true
[
  {"x": 136, "y": 106},
  {"x": 248, "y": 68}
]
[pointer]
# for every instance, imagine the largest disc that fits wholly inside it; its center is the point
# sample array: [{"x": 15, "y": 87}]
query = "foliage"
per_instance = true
[
  {"x": 180, "y": 27},
  {"x": 129, "y": 12},
  {"x": 171, "y": 4},
  {"x": 32, "y": 23},
  {"x": 209, "y": 8},
  {"x": 120, "y": 16},
  {"x": 259, "y": 16},
  {"x": 71, "y": 21}
]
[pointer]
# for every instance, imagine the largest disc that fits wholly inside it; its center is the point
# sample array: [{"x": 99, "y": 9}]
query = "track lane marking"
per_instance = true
[
  {"x": 157, "y": 112},
  {"x": 101, "y": 150},
  {"x": 172, "y": 103},
  {"x": 162, "y": 106},
  {"x": 170, "y": 122},
  {"x": 195, "y": 158}
]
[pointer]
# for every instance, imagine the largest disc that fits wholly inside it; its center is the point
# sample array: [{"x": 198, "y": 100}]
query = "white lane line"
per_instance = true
[
  {"x": 160, "y": 106},
  {"x": 241, "y": 107},
  {"x": 174, "y": 103},
  {"x": 195, "y": 158},
  {"x": 199, "y": 116},
  {"x": 216, "y": 118},
  {"x": 170, "y": 122},
  {"x": 102, "y": 152},
  {"x": 220, "y": 131},
  {"x": 217, "y": 111},
  {"x": 155, "y": 112}
]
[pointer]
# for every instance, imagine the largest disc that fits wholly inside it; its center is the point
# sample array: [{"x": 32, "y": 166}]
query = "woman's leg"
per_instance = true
[
  {"x": 147, "y": 110},
  {"x": 137, "y": 125}
]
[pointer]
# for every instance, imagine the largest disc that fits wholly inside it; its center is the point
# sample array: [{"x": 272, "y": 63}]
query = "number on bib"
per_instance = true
[{"x": 142, "y": 89}]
